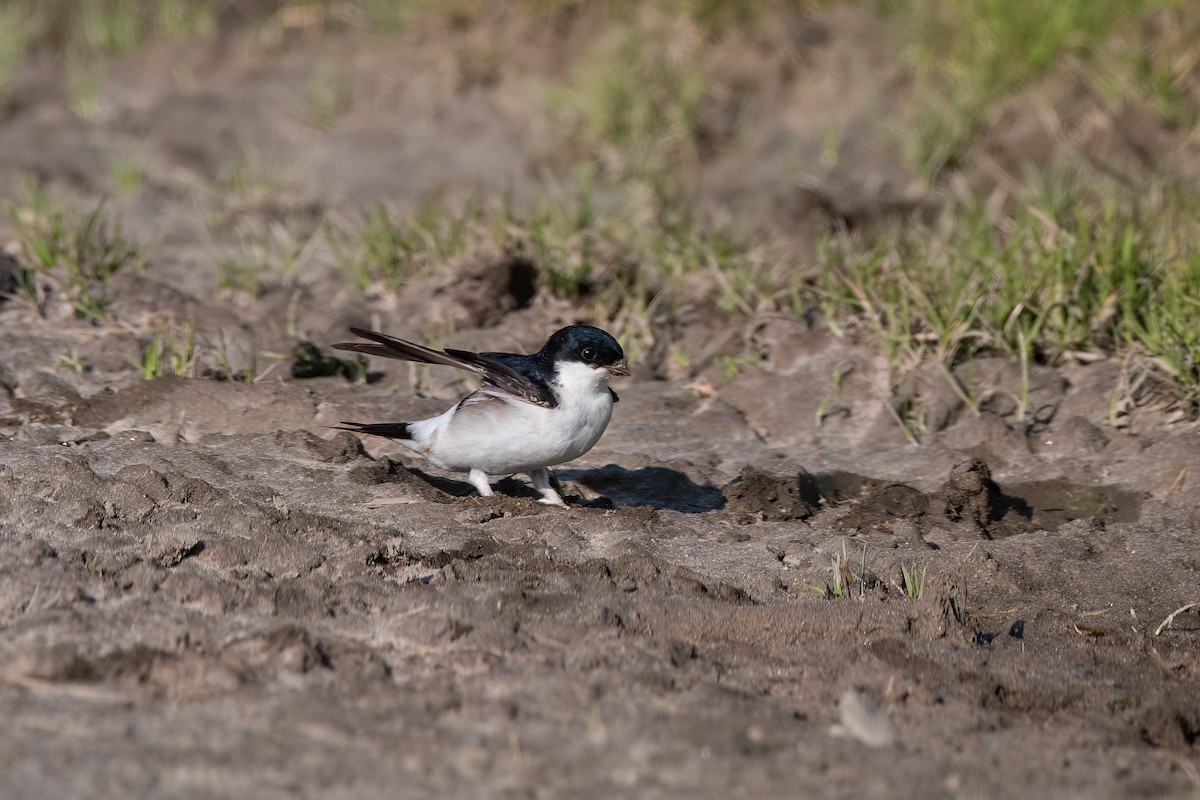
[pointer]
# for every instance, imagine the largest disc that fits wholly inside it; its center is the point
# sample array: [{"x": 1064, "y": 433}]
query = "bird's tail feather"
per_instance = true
[{"x": 392, "y": 430}]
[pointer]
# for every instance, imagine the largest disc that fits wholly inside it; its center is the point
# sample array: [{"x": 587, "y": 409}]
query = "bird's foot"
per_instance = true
[{"x": 541, "y": 482}]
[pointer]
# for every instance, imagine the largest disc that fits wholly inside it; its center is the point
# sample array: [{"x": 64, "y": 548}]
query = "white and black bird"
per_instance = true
[{"x": 531, "y": 413}]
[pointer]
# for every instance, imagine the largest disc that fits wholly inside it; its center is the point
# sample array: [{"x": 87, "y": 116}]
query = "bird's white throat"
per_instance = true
[{"x": 578, "y": 381}]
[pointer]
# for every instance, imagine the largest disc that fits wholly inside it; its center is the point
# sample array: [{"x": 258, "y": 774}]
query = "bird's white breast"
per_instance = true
[{"x": 502, "y": 435}]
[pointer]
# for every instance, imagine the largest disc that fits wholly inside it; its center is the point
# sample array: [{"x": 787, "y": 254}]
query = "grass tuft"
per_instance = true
[
  {"x": 264, "y": 254},
  {"x": 843, "y": 578},
  {"x": 383, "y": 251},
  {"x": 75, "y": 254},
  {"x": 633, "y": 105},
  {"x": 1057, "y": 277},
  {"x": 965, "y": 55},
  {"x": 14, "y": 19},
  {"x": 115, "y": 27},
  {"x": 914, "y": 581},
  {"x": 174, "y": 350},
  {"x": 169, "y": 352},
  {"x": 623, "y": 261},
  {"x": 1170, "y": 620}
]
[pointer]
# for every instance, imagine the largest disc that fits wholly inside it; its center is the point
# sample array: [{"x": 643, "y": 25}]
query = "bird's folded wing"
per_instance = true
[{"x": 494, "y": 372}]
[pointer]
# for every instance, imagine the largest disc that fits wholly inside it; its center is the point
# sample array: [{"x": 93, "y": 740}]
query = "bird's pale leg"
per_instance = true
[
  {"x": 479, "y": 480},
  {"x": 541, "y": 482}
]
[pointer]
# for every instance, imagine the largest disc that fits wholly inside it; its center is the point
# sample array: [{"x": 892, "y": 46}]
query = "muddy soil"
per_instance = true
[{"x": 205, "y": 590}]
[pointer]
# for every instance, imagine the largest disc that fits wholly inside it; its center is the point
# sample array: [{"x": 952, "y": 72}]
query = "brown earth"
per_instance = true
[{"x": 205, "y": 591}]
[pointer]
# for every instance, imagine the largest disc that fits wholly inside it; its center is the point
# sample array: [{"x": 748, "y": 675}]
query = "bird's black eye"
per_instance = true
[{"x": 588, "y": 353}]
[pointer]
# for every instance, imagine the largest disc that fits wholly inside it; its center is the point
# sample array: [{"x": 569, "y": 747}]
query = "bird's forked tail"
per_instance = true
[{"x": 392, "y": 430}]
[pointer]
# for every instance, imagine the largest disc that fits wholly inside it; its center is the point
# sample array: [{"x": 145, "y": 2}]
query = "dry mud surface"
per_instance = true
[
  {"x": 266, "y": 608},
  {"x": 206, "y": 591}
]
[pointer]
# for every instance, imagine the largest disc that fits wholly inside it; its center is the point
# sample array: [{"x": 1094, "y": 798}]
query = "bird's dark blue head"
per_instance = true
[{"x": 587, "y": 345}]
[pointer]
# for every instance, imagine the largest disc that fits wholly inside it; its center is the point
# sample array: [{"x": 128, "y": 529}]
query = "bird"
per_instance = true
[{"x": 532, "y": 412}]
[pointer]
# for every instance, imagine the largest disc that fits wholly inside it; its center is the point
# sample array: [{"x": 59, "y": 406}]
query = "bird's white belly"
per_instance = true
[{"x": 502, "y": 437}]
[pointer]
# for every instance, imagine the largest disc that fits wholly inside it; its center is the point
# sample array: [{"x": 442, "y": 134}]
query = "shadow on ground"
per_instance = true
[{"x": 654, "y": 487}]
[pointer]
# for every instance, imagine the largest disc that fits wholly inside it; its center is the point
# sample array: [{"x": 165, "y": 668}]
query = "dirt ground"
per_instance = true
[{"x": 206, "y": 591}]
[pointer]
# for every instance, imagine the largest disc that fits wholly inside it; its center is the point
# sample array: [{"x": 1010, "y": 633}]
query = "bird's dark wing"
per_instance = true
[
  {"x": 496, "y": 372},
  {"x": 513, "y": 373}
]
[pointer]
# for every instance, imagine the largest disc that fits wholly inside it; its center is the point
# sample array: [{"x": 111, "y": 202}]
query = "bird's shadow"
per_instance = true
[{"x": 654, "y": 487}]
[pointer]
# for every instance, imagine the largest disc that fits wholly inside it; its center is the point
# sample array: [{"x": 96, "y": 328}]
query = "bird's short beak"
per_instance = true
[{"x": 619, "y": 368}]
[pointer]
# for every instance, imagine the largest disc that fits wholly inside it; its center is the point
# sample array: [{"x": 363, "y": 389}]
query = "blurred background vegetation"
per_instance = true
[{"x": 1078, "y": 244}]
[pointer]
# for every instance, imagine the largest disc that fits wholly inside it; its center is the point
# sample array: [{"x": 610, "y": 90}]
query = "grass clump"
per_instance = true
[
  {"x": 633, "y": 105},
  {"x": 1080, "y": 274},
  {"x": 97, "y": 28},
  {"x": 262, "y": 233},
  {"x": 13, "y": 40},
  {"x": 623, "y": 260},
  {"x": 1162, "y": 68},
  {"x": 966, "y": 55},
  {"x": 113, "y": 27},
  {"x": 170, "y": 352},
  {"x": 75, "y": 254},
  {"x": 839, "y": 582},
  {"x": 386, "y": 250},
  {"x": 913, "y": 579},
  {"x": 263, "y": 254},
  {"x": 1170, "y": 620},
  {"x": 101, "y": 27},
  {"x": 178, "y": 350},
  {"x": 843, "y": 579}
]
